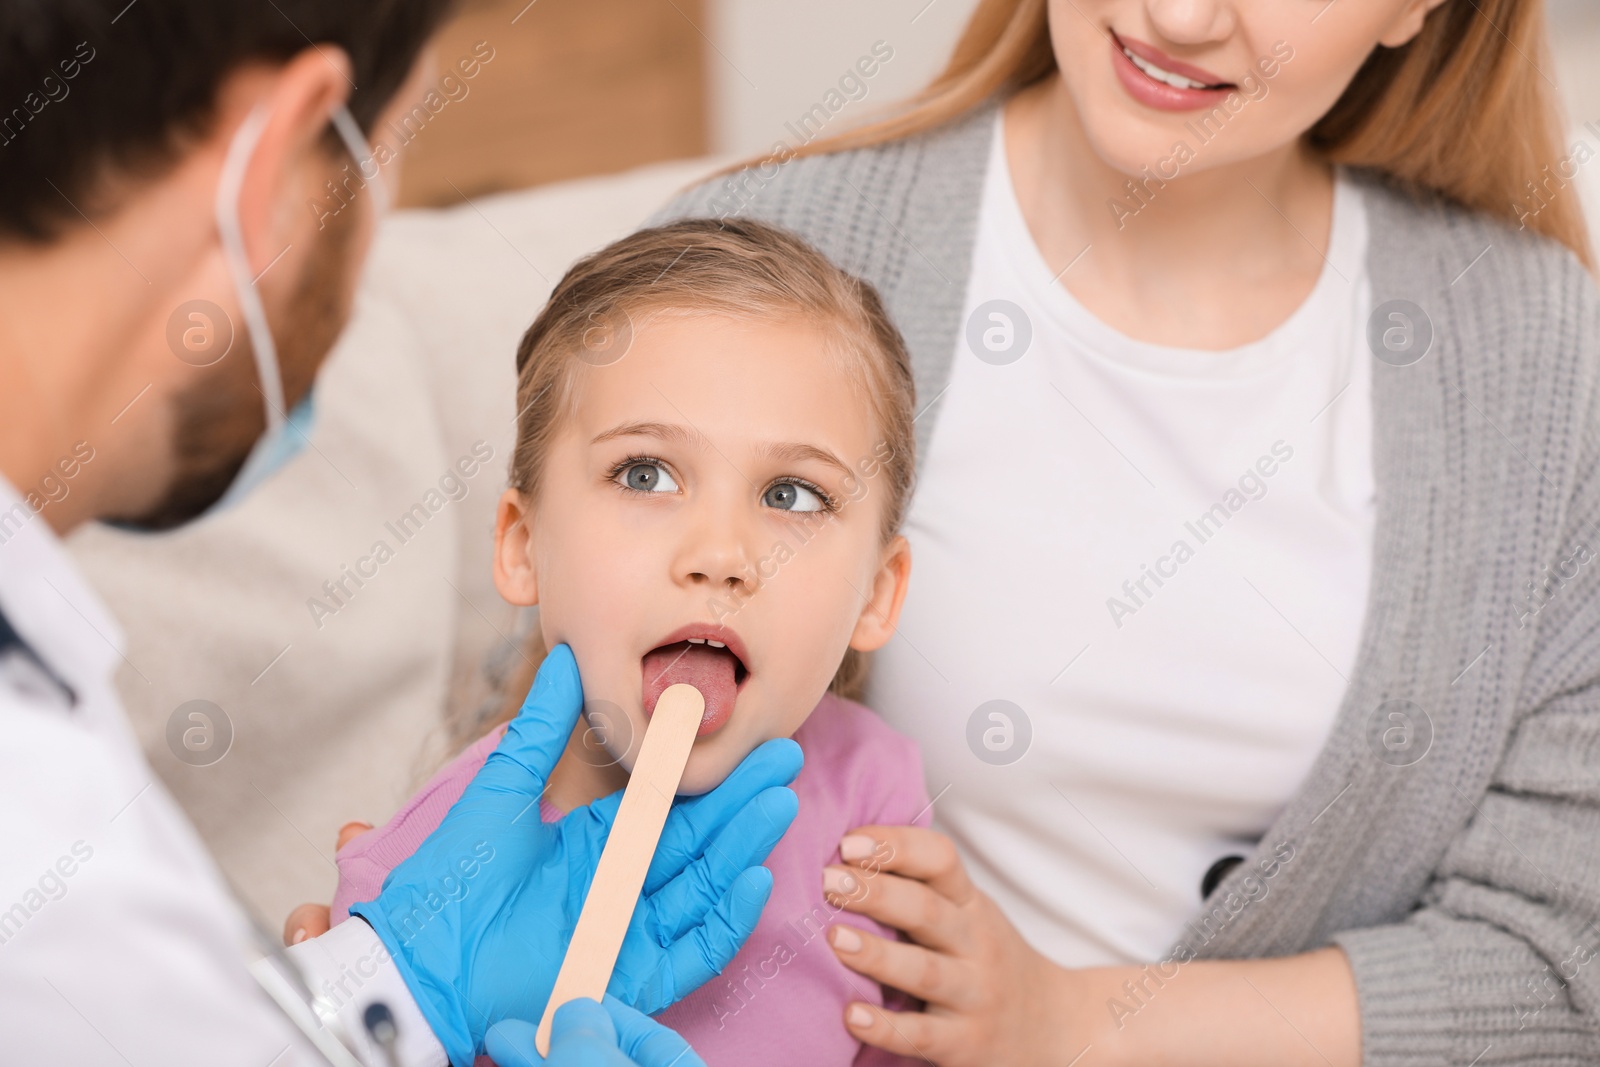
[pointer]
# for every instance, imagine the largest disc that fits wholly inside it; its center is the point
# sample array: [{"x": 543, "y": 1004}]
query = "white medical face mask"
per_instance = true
[{"x": 287, "y": 434}]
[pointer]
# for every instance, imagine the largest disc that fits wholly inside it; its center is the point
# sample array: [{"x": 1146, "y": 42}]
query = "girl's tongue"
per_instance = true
[{"x": 710, "y": 670}]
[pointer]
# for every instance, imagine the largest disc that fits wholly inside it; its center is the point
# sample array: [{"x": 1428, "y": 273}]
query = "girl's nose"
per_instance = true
[
  {"x": 716, "y": 554},
  {"x": 721, "y": 570},
  {"x": 1192, "y": 22}
]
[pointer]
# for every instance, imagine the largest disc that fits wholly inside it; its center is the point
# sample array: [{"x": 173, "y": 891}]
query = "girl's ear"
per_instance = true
[
  {"x": 1407, "y": 22},
  {"x": 514, "y": 574},
  {"x": 881, "y": 613}
]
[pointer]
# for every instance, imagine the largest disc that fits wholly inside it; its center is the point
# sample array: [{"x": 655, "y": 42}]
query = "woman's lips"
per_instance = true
[
  {"x": 1158, "y": 94},
  {"x": 1151, "y": 54}
]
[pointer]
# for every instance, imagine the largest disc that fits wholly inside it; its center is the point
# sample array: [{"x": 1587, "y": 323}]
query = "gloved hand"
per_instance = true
[
  {"x": 478, "y": 918},
  {"x": 584, "y": 1034}
]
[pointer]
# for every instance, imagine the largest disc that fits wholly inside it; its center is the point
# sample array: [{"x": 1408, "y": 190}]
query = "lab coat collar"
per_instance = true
[{"x": 47, "y": 601}]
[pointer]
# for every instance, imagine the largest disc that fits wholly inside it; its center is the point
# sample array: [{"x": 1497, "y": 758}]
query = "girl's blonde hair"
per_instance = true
[
  {"x": 1462, "y": 110},
  {"x": 736, "y": 267},
  {"x": 741, "y": 268}
]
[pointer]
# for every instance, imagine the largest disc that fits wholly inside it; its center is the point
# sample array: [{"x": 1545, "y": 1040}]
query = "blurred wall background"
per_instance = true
[
  {"x": 1575, "y": 26},
  {"x": 580, "y": 87},
  {"x": 559, "y": 89},
  {"x": 776, "y": 59}
]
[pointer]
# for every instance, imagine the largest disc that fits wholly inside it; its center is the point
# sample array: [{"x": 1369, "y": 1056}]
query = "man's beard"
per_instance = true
[{"x": 219, "y": 418}]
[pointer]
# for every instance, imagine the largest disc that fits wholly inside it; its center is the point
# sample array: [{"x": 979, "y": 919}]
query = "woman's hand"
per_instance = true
[{"x": 991, "y": 998}]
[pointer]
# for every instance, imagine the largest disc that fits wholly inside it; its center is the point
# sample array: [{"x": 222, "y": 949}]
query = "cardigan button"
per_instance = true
[{"x": 1217, "y": 872}]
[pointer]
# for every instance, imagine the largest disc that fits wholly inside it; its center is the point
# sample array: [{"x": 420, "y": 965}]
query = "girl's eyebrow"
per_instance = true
[
  {"x": 665, "y": 430},
  {"x": 792, "y": 452},
  {"x": 786, "y": 450}
]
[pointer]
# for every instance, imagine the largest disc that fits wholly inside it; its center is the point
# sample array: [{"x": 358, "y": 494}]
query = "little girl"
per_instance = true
[{"x": 713, "y": 457}]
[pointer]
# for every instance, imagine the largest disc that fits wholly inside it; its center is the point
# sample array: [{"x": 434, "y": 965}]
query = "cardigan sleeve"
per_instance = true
[{"x": 1500, "y": 962}]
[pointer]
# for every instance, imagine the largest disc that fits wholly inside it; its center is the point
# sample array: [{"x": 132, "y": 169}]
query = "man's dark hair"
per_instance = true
[{"x": 93, "y": 91}]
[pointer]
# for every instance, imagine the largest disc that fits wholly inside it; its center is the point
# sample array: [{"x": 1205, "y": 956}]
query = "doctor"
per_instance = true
[{"x": 154, "y": 177}]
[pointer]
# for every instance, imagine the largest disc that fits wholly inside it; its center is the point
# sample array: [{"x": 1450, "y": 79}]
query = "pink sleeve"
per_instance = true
[
  {"x": 900, "y": 796},
  {"x": 902, "y": 801},
  {"x": 872, "y": 1056},
  {"x": 365, "y": 861}
]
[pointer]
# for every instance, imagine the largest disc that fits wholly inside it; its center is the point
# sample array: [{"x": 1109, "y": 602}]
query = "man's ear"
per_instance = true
[
  {"x": 881, "y": 613},
  {"x": 514, "y": 573},
  {"x": 1408, "y": 23},
  {"x": 290, "y": 162}
]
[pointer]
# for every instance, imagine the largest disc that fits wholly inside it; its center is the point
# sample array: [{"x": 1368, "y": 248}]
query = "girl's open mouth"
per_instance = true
[{"x": 710, "y": 658}]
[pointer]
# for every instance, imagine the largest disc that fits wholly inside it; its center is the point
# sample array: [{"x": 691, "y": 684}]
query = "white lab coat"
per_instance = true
[{"x": 119, "y": 943}]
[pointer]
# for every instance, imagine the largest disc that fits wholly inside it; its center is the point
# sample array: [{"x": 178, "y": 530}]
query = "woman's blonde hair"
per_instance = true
[
  {"x": 736, "y": 267},
  {"x": 1462, "y": 110}
]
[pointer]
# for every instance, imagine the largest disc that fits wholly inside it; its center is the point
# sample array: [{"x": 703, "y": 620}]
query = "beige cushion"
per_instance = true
[{"x": 337, "y": 713}]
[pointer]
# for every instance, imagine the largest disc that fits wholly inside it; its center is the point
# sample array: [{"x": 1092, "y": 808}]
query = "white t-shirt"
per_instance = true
[{"x": 1156, "y": 559}]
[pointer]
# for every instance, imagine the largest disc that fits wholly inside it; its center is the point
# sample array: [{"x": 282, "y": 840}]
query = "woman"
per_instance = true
[{"x": 1252, "y": 646}]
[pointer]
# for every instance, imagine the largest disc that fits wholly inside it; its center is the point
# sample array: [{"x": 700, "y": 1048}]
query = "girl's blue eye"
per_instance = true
[
  {"x": 649, "y": 478},
  {"x": 788, "y": 496}
]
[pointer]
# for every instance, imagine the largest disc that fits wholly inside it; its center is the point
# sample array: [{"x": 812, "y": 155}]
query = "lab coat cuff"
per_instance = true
[{"x": 349, "y": 968}]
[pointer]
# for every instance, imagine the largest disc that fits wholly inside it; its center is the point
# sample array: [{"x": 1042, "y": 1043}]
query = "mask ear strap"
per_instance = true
[
  {"x": 355, "y": 142},
  {"x": 231, "y": 233}
]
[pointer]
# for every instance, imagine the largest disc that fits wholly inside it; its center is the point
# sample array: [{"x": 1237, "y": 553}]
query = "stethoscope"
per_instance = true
[{"x": 316, "y": 1018}]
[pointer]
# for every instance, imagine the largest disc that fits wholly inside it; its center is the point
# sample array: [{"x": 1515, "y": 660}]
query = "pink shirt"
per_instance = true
[{"x": 782, "y": 999}]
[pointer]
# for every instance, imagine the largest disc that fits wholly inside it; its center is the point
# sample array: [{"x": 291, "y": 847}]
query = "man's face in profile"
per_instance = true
[{"x": 219, "y": 416}]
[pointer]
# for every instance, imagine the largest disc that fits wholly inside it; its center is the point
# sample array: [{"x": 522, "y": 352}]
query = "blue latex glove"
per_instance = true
[
  {"x": 479, "y": 917},
  {"x": 584, "y": 1034}
]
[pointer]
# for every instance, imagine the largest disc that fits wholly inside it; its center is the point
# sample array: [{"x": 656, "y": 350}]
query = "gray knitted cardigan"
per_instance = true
[{"x": 1448, "y": 835}]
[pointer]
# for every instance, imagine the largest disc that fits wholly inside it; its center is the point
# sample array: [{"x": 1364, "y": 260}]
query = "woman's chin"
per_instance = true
[{"x": 1132, "y": 143}]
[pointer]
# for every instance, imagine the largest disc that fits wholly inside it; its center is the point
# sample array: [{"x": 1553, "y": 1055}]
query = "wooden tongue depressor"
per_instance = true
[{"x": 619, "y": 877}]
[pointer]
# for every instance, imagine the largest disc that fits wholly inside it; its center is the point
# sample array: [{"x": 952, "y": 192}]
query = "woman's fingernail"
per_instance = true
[
  {"x": 859, "y": 1016},
  {"x": 837, "y": 881},
  {"x": 299, "y": 936},
  {"x": 856, "y": 846},
  {"x": 847, "y": 940}
]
